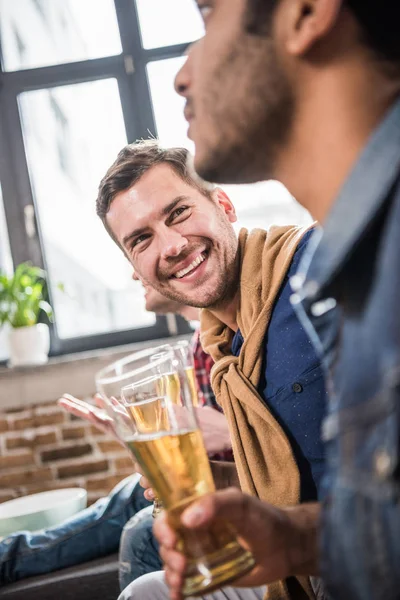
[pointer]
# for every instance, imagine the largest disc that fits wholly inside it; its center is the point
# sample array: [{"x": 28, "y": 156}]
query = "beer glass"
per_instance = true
[
  {"x": 167, "y": 443},
  {"x": 138, "y": 370},
  {"x": 184, "y": 365},
  {"x": 184, "y": 355}
]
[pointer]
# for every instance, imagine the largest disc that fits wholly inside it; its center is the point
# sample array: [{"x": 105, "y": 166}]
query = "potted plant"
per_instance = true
[{"x": 22, "y": 305}]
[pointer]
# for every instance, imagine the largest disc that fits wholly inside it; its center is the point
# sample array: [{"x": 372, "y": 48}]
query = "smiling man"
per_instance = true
[{"x": 177, "y": 232}]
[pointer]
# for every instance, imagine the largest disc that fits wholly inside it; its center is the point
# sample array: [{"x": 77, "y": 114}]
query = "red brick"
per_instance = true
[
  {"x": 82, "y": 468},
  {"x": 66, "y": 452},
  {"x": 24, "y": 477},
  {"x": 111, "y": 446},
  {"x": 54, "y": 418},
  {"x": 102, "y": 483},
  {"x": 125, "y": 462},
  {"x": 94, "y": 496},
  {"x": 45, "y": 487},
  {"x": 17, "y": 459},
  {"x": 74, "y": 432},
  {"x": 22, "y": 423},
  {"x": 96, "y": 431},
  {"x": 40, "y": 439}
]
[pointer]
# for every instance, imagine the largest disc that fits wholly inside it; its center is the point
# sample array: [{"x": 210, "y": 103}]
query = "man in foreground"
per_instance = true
[
  {"x": 178, "y": 235},
  {"x": 307, "y": 92}
]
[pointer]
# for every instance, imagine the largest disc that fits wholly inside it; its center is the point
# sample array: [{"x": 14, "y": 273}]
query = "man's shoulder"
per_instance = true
[{"x": 300, "y": 250}]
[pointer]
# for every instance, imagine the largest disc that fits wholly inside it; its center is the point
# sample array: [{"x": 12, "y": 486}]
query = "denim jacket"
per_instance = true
[{"x": 348, "y": 298}]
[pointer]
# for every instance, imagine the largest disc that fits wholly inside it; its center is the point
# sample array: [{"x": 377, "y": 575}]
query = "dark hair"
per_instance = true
[
  {"x": 380, "y": 24},
  {"x": 133, "y": 161},
  {"x": 379, "y": 21}
]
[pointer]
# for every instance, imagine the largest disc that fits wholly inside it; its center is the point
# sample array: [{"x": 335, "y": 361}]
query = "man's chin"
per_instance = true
[{"x": 191, "y": 298}]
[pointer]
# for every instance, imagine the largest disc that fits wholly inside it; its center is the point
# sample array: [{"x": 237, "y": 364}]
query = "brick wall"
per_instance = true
[{"x": 43, "y": 447}]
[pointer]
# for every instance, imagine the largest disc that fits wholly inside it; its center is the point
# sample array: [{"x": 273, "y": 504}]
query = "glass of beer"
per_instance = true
[
  {"x": 167, "y": 443},
  {"x": 151, "y": 372},
  {"x": 184, "y": 355}
]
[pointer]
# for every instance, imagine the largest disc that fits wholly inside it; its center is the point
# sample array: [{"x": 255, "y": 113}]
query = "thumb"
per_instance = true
[{"x": 229, "y": 504}]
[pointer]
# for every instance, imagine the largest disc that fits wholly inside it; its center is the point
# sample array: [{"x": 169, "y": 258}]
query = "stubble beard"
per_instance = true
[
  {"x": 254, "y": 129},
  {"x": 225, "y": 288}
]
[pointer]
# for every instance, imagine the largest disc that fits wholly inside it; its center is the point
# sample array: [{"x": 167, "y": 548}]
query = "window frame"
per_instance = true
[{"x": 137, "y": 110}]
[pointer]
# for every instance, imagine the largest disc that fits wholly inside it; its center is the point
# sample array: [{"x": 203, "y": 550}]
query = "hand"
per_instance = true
[
  {"x": 96, "y": 415},
  {"x": 282, "y": 541},
  {"x": 215, "y": 430}
]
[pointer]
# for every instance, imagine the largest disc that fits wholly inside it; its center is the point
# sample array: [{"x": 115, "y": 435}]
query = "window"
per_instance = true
[
  {"x": 83, "y": 129},
  {"x": 5, "y": 265},
  {"x": 56, "y": 31},
  {"x": 79, "y": 79},
  {"x": 183, "y": 20}
]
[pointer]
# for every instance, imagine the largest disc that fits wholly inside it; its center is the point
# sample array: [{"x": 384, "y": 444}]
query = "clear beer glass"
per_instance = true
[{"x": 167, "y": 443}]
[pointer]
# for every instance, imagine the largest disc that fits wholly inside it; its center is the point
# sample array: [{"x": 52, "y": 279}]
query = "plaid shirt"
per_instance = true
[{"x": 203, "y": 364}]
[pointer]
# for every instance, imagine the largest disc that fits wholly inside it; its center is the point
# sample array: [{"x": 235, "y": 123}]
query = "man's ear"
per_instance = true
[
  {"x": 302, "y": 23},
  {"x": 225, "y": 203}
]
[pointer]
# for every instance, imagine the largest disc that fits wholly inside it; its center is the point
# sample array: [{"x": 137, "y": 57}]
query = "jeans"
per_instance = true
[
  {"x": 92, "y": 533},
  {"x": 138, "y": 552}
]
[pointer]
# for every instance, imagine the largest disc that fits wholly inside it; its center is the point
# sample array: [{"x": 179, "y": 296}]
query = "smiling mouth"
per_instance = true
[{"x": 192, "y": 267}]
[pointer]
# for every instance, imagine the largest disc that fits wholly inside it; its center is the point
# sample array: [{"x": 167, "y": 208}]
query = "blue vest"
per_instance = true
[{"x": 292, "y": 383}]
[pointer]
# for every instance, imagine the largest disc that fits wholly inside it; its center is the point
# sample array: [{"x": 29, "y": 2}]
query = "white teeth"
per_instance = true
[{"x": 194, "y": 264}]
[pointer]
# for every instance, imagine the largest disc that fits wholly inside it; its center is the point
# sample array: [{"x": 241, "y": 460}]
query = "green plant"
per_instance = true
[{"x": 22, "y": 296}]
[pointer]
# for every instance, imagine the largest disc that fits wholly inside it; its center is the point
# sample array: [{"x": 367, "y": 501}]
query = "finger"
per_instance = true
[
  {"x": 164, "y": 532},
  {"x": 71, "y": 407},
  {"x": 100, "y": 402},
  {"x": 211, "y": 506},
  {"x": 144, "y": 482},
  {"x": 69, "y": 397},
  {"x": 149, "y": 494},
  {"x": 76, "y": 401},
  {"x": 173, "y": 560},
  {"x": 84, "y": 410},
  {"x": 175, "y": 583}
]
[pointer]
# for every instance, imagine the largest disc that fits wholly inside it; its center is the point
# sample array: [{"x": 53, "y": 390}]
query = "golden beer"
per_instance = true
[
  {"x": 192, "y": 384},
  {"x": 169, "y": 385},
  {"x": 149, "y": 416},
  {"x": 178, "y": 468}
]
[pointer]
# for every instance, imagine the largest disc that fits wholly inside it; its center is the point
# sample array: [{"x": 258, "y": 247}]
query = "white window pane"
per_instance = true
[
  {"x": 72, "y": 135},
  {"x": 165, "y": 23},
  {"x": 167, "y": 104},
  {"x": 257, "y": 205},
  {"x": 7, "y": 267},
  {"x": 37, "y": 33}
]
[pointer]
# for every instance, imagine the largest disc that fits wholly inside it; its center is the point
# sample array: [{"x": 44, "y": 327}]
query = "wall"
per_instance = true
[
  {"x": 44, "y": 448},
  {"x": 41, "y": 446}
]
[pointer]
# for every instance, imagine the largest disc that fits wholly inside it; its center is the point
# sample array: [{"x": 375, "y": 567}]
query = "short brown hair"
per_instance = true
[{"x": 133, "y": 161}]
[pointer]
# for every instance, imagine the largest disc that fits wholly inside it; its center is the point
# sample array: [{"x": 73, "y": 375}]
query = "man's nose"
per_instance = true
[
  {"x": 182, "y": 78},
  {"x": 172, "y": 244}
]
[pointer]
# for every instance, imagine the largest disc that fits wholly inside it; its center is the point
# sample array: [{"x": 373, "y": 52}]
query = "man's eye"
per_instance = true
[
  {"x": 177, "y": 212},
  {"x": 138, "y": 240}
]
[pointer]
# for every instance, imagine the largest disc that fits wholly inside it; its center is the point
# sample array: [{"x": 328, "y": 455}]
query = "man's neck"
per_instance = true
[
  {"x": 227, "y": 313},
  {"x": 329, "y": 135}
]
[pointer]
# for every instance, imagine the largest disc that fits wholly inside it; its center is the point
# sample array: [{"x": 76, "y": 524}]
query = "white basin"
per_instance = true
[{"x": 38, "y": 511}]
